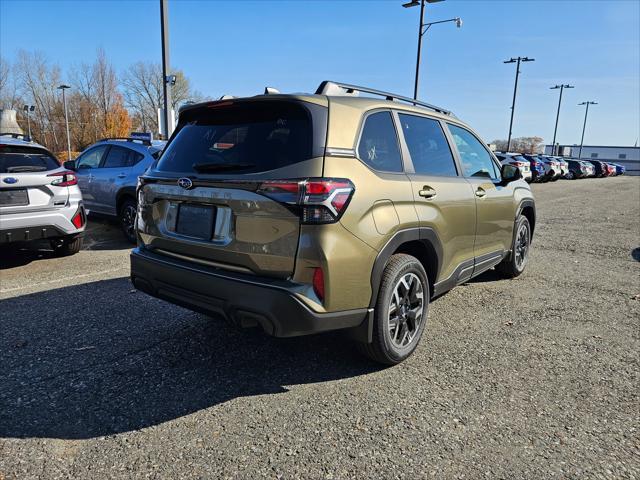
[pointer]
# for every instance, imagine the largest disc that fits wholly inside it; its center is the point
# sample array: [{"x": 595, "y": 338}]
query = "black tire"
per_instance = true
[
  {"x": 67, "y": 246},
  {"x": 384, "y": 348},
  {"x": 127, "y": 219},
  {"x": 516, "y": 261},
  {"x": 571, "y": 175}
]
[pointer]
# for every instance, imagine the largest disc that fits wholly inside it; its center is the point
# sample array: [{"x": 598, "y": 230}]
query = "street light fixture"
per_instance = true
[
  {"x": 63, "y": 87},
  {"x": 422, "y": 30},
  {"x": 555, "y": 130},
  {"x": 515, "y": 90},
  {"x": 28, "y": 109},
  {"x": 584, "y": 126}
]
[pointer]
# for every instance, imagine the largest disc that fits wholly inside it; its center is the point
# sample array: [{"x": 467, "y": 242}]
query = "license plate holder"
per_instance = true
[
  {"x": 196, "y": 220},
  {"x": 14, "y": 197}
]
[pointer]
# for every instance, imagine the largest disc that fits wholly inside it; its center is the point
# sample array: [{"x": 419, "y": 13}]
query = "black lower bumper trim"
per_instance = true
[
  {"x": 244, "y": 300},
  {"x": 28, "y": 234}
]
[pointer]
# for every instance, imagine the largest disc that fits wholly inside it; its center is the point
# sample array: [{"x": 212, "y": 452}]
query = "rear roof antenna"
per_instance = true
[{"x": 271, "y": 91}]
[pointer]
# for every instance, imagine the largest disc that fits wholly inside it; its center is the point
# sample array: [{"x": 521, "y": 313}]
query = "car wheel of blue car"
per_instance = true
[{"x": 128, "y": 220}]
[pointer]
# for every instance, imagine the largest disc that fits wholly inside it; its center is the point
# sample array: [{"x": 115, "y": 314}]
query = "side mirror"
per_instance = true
[
  {"x": 510, "y": 173},
  {"x": 70, "y": 165}
]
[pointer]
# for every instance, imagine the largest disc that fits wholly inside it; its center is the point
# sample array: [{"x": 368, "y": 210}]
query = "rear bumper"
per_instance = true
[
  {"x": 242, "y": 299},
  {"x": 38, "y": 225}
]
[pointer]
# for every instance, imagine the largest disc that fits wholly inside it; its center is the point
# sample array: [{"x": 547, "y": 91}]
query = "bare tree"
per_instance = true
[
  {"x": 9, "y": 96},
  {"x": 142, "y": 87},
  {"x": 521, "y": 144}
]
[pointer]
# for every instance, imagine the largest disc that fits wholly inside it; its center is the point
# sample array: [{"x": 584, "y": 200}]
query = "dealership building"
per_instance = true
[{"x": 629, "y": 157}]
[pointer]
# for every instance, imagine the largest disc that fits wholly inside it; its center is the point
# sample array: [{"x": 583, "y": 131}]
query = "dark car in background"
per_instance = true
[
  {"x": 600, "y": 168},
  {"x": 620, "y": 169},
  {"x": 578, "y": 169},
  {"x": 108, "y": 172}
]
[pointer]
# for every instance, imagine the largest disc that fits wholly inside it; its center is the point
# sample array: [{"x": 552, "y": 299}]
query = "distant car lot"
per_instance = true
[{"x": 541, "y": 379}]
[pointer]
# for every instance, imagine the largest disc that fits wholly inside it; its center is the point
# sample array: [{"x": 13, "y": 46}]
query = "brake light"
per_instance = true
[
  {"x": 318, "y": 282},
  {"x": 519, "y": 164},
  {"x": 65, "y": 179},
  {"x": 322, "y": 200}
]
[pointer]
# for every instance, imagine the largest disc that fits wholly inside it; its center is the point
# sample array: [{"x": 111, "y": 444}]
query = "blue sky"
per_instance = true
[{"x": 238, "y": 47}]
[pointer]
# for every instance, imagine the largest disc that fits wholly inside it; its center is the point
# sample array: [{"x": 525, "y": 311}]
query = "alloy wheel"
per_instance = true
[{"x": 406, "y": 310}]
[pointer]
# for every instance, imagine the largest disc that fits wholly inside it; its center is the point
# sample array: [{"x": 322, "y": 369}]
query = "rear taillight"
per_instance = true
[
  {"x": 318, "y": 282},
  {"x": 321, "y": 200},
  {"x": 519, "y": 164},
  {"x": 78, "y": 219},
  {"x": 64, "y": 179}
]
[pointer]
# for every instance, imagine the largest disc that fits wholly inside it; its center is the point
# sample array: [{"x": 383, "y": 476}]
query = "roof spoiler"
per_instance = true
[
  {"x": 329, "y": 87},
  {"x": 144, "y": 141}
]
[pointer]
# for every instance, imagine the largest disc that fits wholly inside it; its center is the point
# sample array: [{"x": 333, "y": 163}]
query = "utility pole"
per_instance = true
[
  {"x": 166, "y": 82},
  {"x": 555, "y": 130},
  {"x": 66, "y": 118},
  {"x": 584, "y": 126},
  {"x": 515, "y": 91},
  {"x": 28, "y": 109}
]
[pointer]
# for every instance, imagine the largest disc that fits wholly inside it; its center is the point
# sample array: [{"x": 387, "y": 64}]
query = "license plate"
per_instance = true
[
  {"x": 15, "y": 196},
  {"x": 196, "y": 221}
]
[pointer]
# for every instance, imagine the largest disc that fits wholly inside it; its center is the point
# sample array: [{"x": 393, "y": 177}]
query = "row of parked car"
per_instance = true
[{"x": 545, "y": 168}]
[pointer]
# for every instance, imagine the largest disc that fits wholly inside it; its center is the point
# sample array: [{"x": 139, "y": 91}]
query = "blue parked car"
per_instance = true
[
  {"x": 537, "y": 168},
  {"x": 620, "y": 169},
  {"x": 108, "y": 173}
]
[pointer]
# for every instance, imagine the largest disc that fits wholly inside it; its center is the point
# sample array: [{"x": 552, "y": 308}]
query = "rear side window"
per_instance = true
[
  {"x": 25, "y": 159},
  {"x": 121, "y": 157},
  {"x": 475, "y": 158},
  {"x": 428, "y": 147},
  {"x": 243, "y": 138},
  {"x": 378, "y": 145}
]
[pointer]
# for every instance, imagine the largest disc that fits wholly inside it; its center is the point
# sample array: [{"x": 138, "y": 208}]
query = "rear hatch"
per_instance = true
[
  {"x": 31, "y": 179},
  {"x": 224, "y": 191}
]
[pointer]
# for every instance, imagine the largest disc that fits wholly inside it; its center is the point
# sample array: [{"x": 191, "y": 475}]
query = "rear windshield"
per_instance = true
[
  {"x": 243, "y": 138},
  {"x": 26, "y": 159}
]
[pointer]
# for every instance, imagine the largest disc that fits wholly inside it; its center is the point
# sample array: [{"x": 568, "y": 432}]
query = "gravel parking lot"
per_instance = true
[{"x": 532, "y": 378}]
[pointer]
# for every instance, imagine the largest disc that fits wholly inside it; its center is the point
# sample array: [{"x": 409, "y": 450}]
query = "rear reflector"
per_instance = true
[
  {"x": 78, "y": 219},
  {"x": 318, "y": 282}
]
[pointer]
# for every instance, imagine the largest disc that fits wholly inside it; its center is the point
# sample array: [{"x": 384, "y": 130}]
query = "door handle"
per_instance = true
[
  {"x": 427, "y": 192},
  {"x": 480, "y": 192},
  {"x": 122, "y": 175}
]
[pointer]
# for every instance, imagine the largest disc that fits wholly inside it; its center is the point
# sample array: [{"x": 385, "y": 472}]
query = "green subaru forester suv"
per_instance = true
[{"x": 347, "y": 209}]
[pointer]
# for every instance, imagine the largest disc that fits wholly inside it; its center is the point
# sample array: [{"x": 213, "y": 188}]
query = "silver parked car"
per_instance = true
[
  {"x": 39, "y": 199},
  {"x": 108, "y": 173}
]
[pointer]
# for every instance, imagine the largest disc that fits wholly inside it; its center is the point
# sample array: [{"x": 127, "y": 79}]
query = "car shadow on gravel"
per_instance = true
[
  {"x": 12, "y": 256},
  {"x": 99, "y": 359}
]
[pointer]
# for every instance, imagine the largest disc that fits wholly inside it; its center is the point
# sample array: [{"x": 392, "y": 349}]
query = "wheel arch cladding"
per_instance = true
[
  {"x": 126, "y": 193},
  {"x": 422, "y": 243},
  {"x": 528, "y": 209}
]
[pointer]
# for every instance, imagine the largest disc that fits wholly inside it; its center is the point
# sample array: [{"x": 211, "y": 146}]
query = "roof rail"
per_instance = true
[
  {"x": 329, "y": 87},
  {"x": 144, "y": 141},
  {"x": 26, "y": 138}
]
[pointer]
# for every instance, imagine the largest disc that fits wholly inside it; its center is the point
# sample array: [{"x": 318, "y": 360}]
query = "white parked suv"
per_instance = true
[
  {"x": 517, "y": 160},
  {"x": 39, "y": 199}
]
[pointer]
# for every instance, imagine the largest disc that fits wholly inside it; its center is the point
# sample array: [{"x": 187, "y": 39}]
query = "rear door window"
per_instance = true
[
  {"x": 120, "y": 157},
  {"x": 428, "y": 146},
  {"x": 25, "y": 159},
  {"x": 378, "y": 145},
  {"x": 245, "y": 138}
]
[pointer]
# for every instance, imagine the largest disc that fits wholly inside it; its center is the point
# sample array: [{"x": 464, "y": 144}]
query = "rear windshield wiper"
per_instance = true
[
  {"x": 217, "y": 167},
  {"x": 25, "y": 168}
]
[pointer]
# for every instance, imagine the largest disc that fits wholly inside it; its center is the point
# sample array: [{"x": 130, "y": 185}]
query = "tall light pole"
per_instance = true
[
  {"x": 28, "y": 109},
  {"x": 555, "y": 130},
  {"x": 166, "y": 80},
  {"x": 63, "y": 87},
  {"x": 584, "y": 126},
  {"x": 421, "y": 31},
  {"x": 515, "y": 90}
]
